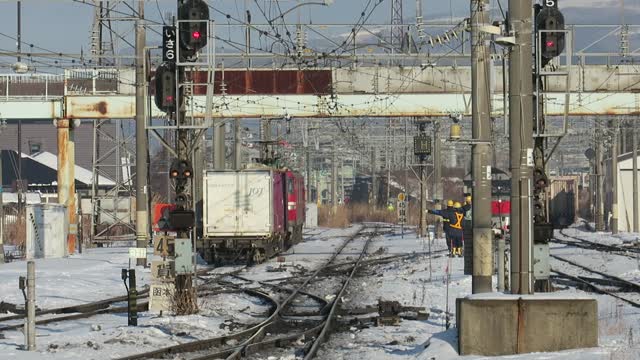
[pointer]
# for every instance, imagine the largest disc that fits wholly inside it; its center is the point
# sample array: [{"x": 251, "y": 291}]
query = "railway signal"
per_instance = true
[
  {"x": 550, "y": 26},
  {"x": 166, "y": 93},
  {"x": 193, "y": 19}
]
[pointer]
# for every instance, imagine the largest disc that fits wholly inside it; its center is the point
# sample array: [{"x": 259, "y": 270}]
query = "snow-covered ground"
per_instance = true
[{"x": 417, "y": 281}]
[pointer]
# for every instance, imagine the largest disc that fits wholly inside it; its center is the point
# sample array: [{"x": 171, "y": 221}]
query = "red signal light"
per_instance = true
[
  {"x": 550, "y": 43},
  {"x": 169, "y": 98},
  {"x": 195, "y": 34}
]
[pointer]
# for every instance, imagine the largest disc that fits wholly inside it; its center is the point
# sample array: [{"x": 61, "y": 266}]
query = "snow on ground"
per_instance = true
[
  {"x": 418, "y": 281},
  {"x": 93, "y": 275}
]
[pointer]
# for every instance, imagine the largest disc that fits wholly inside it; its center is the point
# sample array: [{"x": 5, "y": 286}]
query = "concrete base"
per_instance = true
[{"x": 497, "y": 324}]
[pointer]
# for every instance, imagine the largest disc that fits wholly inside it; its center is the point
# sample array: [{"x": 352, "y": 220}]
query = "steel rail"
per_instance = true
[
  {"x": 629, "y": 284},
  {"x": 276, "y": 341},
  {"x": 259, "y": 335},
  {"x": 144, "y": 306},
  {"x": 250, "y": 335},
  {"x": 598, "y": 246},
  {"x": 205, "y": 344},
  {"x": 595, "y": 288},
  {"x": 330, "y": 320},
  {"x": 81, "y": 308}
]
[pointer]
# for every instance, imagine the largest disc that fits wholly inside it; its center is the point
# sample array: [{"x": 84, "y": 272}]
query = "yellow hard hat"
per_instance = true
[
  {"x": 449, "y": 202},
  {"x": 457, "y": 205},
  {"x": 468, "y": 198}
]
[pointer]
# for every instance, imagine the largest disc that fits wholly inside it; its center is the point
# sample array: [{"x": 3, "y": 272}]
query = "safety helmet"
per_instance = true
[
  {"x": 449, "y": 202},
  {"x": 468, "y": 199},
  {"x": 457, "y": 205}
]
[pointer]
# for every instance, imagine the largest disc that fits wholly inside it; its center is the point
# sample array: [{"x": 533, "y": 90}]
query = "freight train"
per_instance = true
[{"x": 251, "y": 215}]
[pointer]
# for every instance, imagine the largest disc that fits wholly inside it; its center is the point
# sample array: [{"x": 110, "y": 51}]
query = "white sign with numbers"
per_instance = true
[
  {"x": 402, "y": 212},
  {"x": 137, "y": 253}
]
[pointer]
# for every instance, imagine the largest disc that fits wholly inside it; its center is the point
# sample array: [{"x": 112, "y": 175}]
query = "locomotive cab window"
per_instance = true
[{"x": 290, "y": 186}]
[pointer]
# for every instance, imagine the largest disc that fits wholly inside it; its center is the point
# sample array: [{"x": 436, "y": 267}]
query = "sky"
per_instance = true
[{"x": 64, "y": 25}]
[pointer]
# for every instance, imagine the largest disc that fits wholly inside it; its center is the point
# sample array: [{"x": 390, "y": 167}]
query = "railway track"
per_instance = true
[
  {"x": 627, "y": 251},
  {"x": 259, "y": 337},
  {"x": 87, "y": 310},
  {"x": 606, "y": 284},
  {"x": 74, "y": 312}
]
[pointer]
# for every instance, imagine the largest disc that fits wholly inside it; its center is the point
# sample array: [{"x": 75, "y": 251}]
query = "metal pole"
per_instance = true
[
  {"x": 1, "y": 214},
  {"x": 132, "y": 303},
  {"x": 481, "y": 158},
  {"x": 635, "y": 178},
  {"x": 237, "y": 143},
  {"x": 218, "y": 146},
  {"x": 334, "y": 180},
  {"x": 248, "y": 36},
  {"x": 307, "y": 161},
  {"x": 423, "y": 187},
  {"x": 388, "y": 161},
  {"x": 19, "y": 33},
  {"x": 599, "y": 182},
  {"x": 614, "y": 181},
  {"x": 19, "y": 185},
  {"x": 31, "y": 305},
  {"x": 501, "y": 264},
  {"x": 142, "y": 226},
  {"x": 437, "y": 172},
  {"x": 374, "y": 188},
  {"x": 521, "y": 146}
]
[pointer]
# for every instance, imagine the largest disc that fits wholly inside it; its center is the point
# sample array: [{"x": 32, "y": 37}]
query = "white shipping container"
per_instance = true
[
  {"x": 47, "y": 226},
  {"x": 238, "y": 203}
]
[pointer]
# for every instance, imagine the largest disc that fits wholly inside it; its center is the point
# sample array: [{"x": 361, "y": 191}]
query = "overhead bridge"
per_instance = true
[{"x": 595, "y": 90}]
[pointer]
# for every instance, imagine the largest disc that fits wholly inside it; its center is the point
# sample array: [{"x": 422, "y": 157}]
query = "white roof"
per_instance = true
[
  {"x": 31, "y": 198},
  {"x": 81, "y": 174}
]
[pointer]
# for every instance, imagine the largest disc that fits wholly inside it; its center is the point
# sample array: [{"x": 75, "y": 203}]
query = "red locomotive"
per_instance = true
[{"x": 295, "y": 207}]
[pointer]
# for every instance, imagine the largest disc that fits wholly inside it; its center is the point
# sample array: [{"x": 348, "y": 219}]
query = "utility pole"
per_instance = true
[
  {"x": 481, "y": 158},
  {"x": 334, "y": 179},
  {"x": 218, "y": 145},
  {"x": 374, "y": 169},
  {"x": 521, "y": 146},
  {"x": 635, "y": 176},
  {"x": 19, "y": 48},
  {"x": 423, "y": 185},
  {"x": 437, "y": 171},
  {"x": 142, "y": 214},
  {"x": 599, "y": 181},
  {"x": 307, "y": 161},
  {"x": 614, "y": 180},
  {"x": 237, "y": 145},
  {"x": 1, "y": 213}
]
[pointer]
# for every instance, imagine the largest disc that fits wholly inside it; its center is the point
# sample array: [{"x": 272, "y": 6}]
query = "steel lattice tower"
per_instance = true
[{"x": 397, "y": 30}]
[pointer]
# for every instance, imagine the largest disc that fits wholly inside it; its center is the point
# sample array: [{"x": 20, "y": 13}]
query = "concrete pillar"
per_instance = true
[
  {"x": 142, "y": 211},
  {"x": 521, "y": 146},
  {"x": 66, "y": 195},
  {"x": 481, "y": 171},
  {"x": 599, "y": 182},
  {"x": 614, "y": 181}
]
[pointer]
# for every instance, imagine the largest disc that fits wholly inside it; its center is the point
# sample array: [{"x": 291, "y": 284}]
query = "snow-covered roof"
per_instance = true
[
  {"x": 8, "y": 198},
  {"x": 81, "y": 174}
]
